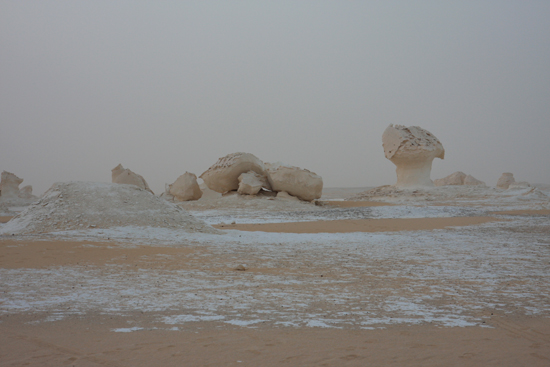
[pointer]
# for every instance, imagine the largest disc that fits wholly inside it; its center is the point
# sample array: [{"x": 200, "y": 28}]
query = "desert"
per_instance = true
[{"x": 449, "y": 275}]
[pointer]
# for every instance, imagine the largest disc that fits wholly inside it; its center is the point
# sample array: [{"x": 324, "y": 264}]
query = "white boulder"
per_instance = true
[
  {"x": 223, "y": 176},
  {"x": 26, "y": 192},
  {"x": 505, "y": 180},
  {"x": 296, "y": 181},
  {"x": 412, "y": 150},
  {"x": 185, "y": 188},
  {"x": 250, "y": 183},
  {"x": 121, "y": 175}
]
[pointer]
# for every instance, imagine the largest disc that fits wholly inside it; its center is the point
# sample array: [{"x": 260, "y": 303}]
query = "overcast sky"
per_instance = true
[{"x": 168, "y": 87}]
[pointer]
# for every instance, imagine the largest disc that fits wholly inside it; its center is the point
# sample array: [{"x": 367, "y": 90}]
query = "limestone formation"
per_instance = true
[
  {"x": 412, "y": 150},
  {"x": 250, "y": 183},
  {"x": 458, "y": 178},
  {"x": 223, "y": 176},
  {"x": 185, "y": 188},
  {"x": 472, "y": 181},
  {"x": 298, "y": 182},
  {"x": 283, "y": 195},
  {"x": 505, "y": 180},
  {"x": 123, "y": 175},
  {"x": 9, "y": 185},
  {"x": 26, "y": 192}
]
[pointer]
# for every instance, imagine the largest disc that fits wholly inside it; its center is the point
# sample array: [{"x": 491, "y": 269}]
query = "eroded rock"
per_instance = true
[
  {"x": 298, "y": 182},
  {"x": 505, "y": 180},
  {"x": 123, "y": 175},
  {"x": 412, "y": 150},
  {"x": 472, "y": 181},
  {"x": 223, "y": 176},
  {"x": 9, "y": 185},
  {"x": 250, "y": 183},
  {"x": 458, "y": 178},
  {"x": 185, "y": 188}
]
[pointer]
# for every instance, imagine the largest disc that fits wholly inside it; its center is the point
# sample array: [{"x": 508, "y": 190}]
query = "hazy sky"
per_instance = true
[{"x": 168, "y": 87}]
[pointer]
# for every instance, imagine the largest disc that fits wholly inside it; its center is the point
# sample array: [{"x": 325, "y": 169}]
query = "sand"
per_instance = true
[
  {"x": 398, "y": 285},
  {"x": 360, "y": 225}
]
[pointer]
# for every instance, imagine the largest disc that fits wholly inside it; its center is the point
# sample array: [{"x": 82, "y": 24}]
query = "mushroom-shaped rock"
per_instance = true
[
  {"x": 186, "y": 188},
  {"x": 472, "y": 181},
  {"x": 296, "y": 181},
  {"x": 456, "y": 178},
  {"x": 505, "y": 180},
  {"x": 250, "y": 183},
  {"x": 123, "y": 175},
  {"x": 223, "y": 176},
  {"x": 9, "y": 185},
  {"x": 412, "y": 150}
]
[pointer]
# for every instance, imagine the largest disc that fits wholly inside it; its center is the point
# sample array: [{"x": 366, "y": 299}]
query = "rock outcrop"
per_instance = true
[
  {"x": 298, "y": 182},
  {"x": 10, "y": 192},
  {"x": 505, "y": 180},
  {"x": 412, "y": 150},
  {"x": 223, "y": 176},
  {"x": 250, "y": 183},
  {"x": 458, "y": 178},
  {"x": 185, "y": 188},
  {"x": 123, "y": 175},
  {"x": 9, "y": 185},
  {"x": 472, "y": 181}
]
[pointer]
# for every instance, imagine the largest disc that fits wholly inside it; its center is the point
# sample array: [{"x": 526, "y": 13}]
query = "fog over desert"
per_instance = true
[{"x": 274, "y": 183}]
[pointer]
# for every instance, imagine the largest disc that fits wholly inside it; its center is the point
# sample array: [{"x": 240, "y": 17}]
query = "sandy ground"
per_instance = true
[{"x": 391, "y": 285}]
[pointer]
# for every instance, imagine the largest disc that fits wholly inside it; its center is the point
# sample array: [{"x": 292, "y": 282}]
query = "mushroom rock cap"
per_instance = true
[
  {"x": 296, "y": 181},
  {"x": 185, "y": 188},
  {"x": 123, "y": 175},
  {"x": 223, "y": 176},
  {"x": 403, "y": 142}
]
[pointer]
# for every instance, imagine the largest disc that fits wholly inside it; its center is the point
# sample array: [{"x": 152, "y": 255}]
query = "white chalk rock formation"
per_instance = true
[
  {"x": 223, "y": 176},
  {"x": 472, "y": 181},
  {"x": 26, "y": 192},
  {"x": 250, "y": 183},
  {"x": 505, "y": 180},
  {"x": 9, "y": 185},
  {"x": 412, "y": 150},
  {"x": 208, "y": 194},
  {"x": 298, "y": 182},
  {"x": 185, "y": 188},
  {"x": 456, "y": 178},
  {"x": 121, "y": 175},
  {"x": 86, "y": 205}
]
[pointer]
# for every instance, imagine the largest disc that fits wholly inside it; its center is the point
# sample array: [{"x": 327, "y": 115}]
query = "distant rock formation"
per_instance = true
[
  {"x": 458, "y": 178},
  {"x": 298, "y": 182},
  {"x": 412, "y": 150},
  {"x": 185, "y": 188},
  {"x": 9, "y": 189},
  {"x": 223, "y": 176},
  {"x": 123, "y": 175},
  {"x": 505, "y": 180},
  {"x": 519, "y": 185}
]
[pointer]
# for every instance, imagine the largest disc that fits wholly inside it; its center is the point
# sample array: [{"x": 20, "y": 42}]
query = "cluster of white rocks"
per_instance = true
[{"x": 248, "y": 175}]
